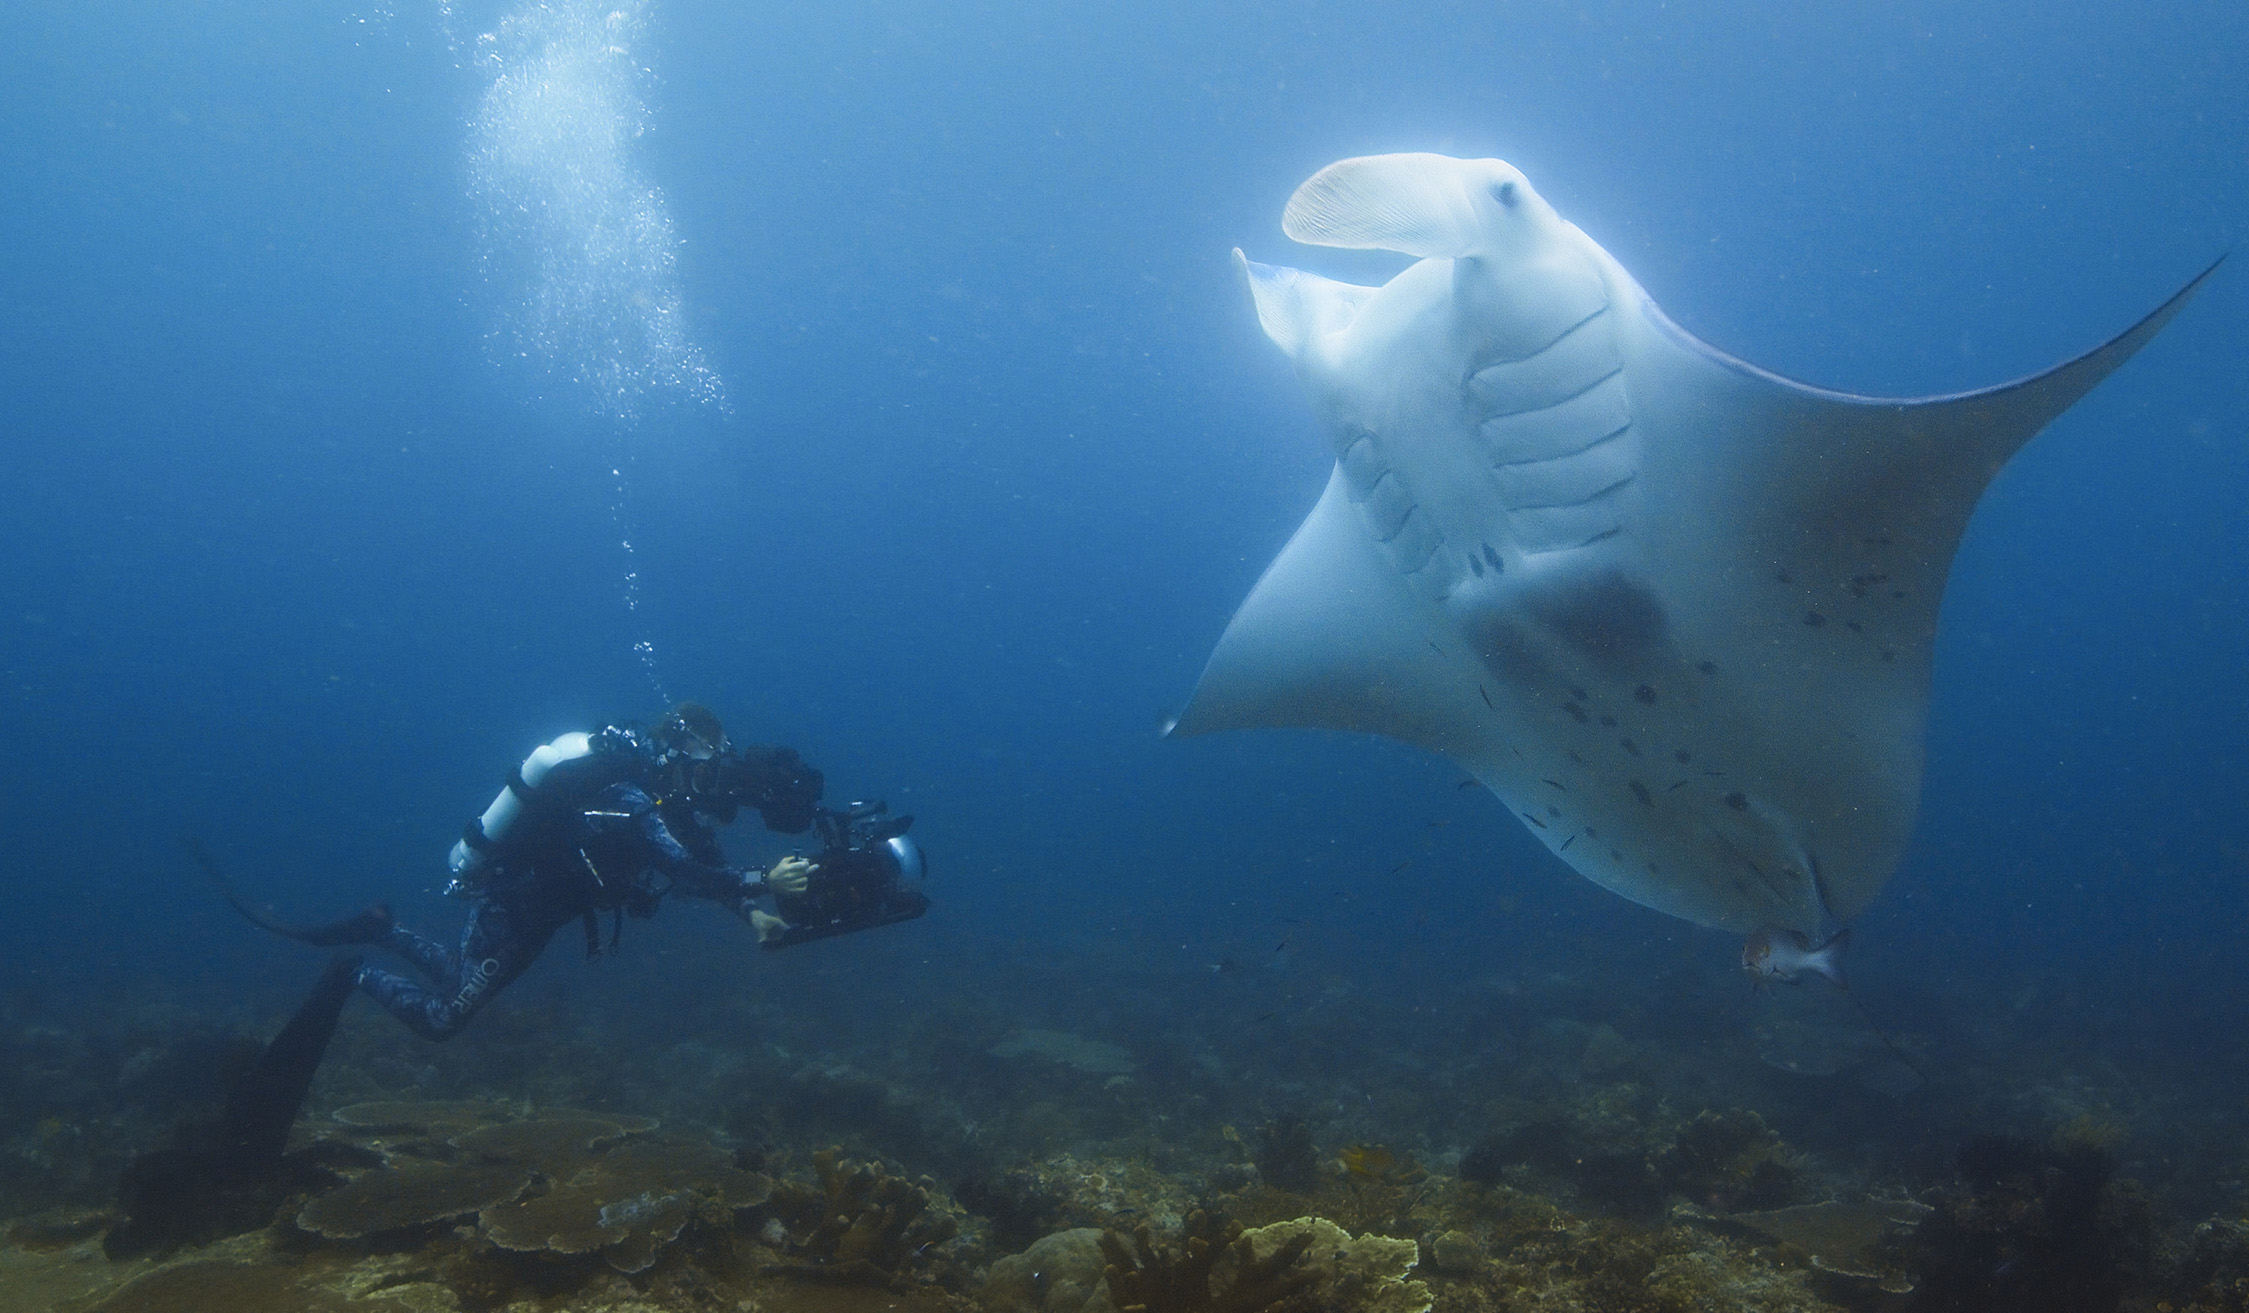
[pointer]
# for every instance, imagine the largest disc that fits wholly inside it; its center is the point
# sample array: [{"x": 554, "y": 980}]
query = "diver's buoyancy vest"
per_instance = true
[{"x": 489, "y": 830}]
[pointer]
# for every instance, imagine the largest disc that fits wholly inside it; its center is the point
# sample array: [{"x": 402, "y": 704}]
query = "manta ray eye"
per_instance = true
[{"x": 1506, "y": 194}]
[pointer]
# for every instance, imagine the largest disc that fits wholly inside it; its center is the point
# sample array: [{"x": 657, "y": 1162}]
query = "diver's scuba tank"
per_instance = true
[{"x": 479, "y": 836}]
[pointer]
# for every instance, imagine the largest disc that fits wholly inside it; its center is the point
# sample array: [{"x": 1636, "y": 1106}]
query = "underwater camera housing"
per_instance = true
[{"x": 860, "y": 875}]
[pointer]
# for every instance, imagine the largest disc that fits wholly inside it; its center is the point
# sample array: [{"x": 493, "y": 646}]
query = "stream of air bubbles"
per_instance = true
[{"x": 578, "y": 244}]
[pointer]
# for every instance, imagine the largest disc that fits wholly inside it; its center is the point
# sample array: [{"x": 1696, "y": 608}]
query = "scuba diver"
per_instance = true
[{"x": 612, "y": 822}]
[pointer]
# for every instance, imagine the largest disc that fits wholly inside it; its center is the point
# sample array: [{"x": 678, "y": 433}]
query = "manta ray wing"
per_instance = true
[{"x": 1677, "y": 612}]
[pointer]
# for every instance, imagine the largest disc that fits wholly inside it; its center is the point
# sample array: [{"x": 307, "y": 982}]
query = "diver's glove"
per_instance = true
[
  {"x": 768, "y": 926},
  {"x": 789, "y": 876}
]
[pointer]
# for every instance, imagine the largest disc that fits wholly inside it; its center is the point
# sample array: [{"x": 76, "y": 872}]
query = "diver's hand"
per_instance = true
[
  {"x": 768, "y": 926},
  {"x": 789, "y": 876}
]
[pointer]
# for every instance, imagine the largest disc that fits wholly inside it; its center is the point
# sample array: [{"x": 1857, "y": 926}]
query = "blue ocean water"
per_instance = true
[{"x": 302, "y": 555}]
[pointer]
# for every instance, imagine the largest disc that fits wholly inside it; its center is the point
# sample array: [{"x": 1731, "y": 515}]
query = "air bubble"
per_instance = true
[{"x": 578, "y": 243}]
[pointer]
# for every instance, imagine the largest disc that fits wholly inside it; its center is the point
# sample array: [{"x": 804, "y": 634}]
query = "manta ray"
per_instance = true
[{"x": 1676, "y": 611}]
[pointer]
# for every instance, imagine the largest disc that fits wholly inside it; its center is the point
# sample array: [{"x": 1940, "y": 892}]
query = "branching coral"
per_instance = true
[{"x": 862, "y": 1225}]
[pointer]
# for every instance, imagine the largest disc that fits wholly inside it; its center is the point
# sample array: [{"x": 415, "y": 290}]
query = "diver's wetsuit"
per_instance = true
[{"x": 622, "y": 853}]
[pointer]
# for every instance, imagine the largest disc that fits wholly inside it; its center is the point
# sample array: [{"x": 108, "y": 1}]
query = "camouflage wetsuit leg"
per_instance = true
[{"x": 502, "y": 939}]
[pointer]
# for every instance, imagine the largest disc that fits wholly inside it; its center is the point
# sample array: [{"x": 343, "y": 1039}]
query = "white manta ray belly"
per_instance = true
[{"x": 1676, "y": 612}]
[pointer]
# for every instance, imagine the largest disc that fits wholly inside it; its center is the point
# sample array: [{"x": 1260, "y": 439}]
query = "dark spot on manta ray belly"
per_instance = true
[
  {"x": 1644, "y": 695},
  {"x": 1640, "y": 791},
  {"x": 1738, "y": 801},
  {"x": 1814, "y": 619},
  {"x": 1605, "y": 616}
]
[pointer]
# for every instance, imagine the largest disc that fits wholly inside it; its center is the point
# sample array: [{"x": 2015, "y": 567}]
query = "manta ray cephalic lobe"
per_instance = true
[{"x": 1675, "y": 611}]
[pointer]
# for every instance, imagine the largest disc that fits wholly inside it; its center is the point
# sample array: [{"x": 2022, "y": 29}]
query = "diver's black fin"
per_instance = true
[
  {"x": 263, "y": 1104},
  {"x": 365, "y": 926}
]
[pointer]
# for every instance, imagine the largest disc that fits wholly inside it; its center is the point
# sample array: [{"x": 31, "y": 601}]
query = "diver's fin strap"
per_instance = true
[{"x": 474, "y": 836}]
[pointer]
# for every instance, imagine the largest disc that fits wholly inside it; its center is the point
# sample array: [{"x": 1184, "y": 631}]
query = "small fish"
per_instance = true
[
  {"x": 1279, "y": 947},
  {"x": 1401, "y": 866},
  {"x": 1487, "y": 697},
  {"x": 1786, "y": 955},
  {"x": 1465, "y": 784},
  {"x": 1368, "y": 1161},
  {"x": 1225, "y": 966}
]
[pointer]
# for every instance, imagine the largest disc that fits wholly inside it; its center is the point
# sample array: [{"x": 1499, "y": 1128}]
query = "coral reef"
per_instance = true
[
  {"x": 410, "y": 1196},
  {"x": 1368, "y": 1273},
  {"x": 1545, "y": 1259},
  {"x": 2031, "y": 1227},
  {"x": 859, "y": 1224},
  {"x": 1066, "y": 1272},
  {"x": 1020, "y": 1205},
  {"x": 1600, "y": 1153},
  {"x": 1145, "y": 1275},
  {"x": 1284, "y": 1154},
  {"x": 1613, "y": 1154},
  {"x": 2209, "y": 1272},
  {"x": 562, "y": 1183},
  {"x": 1860, "y": 1240}
]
